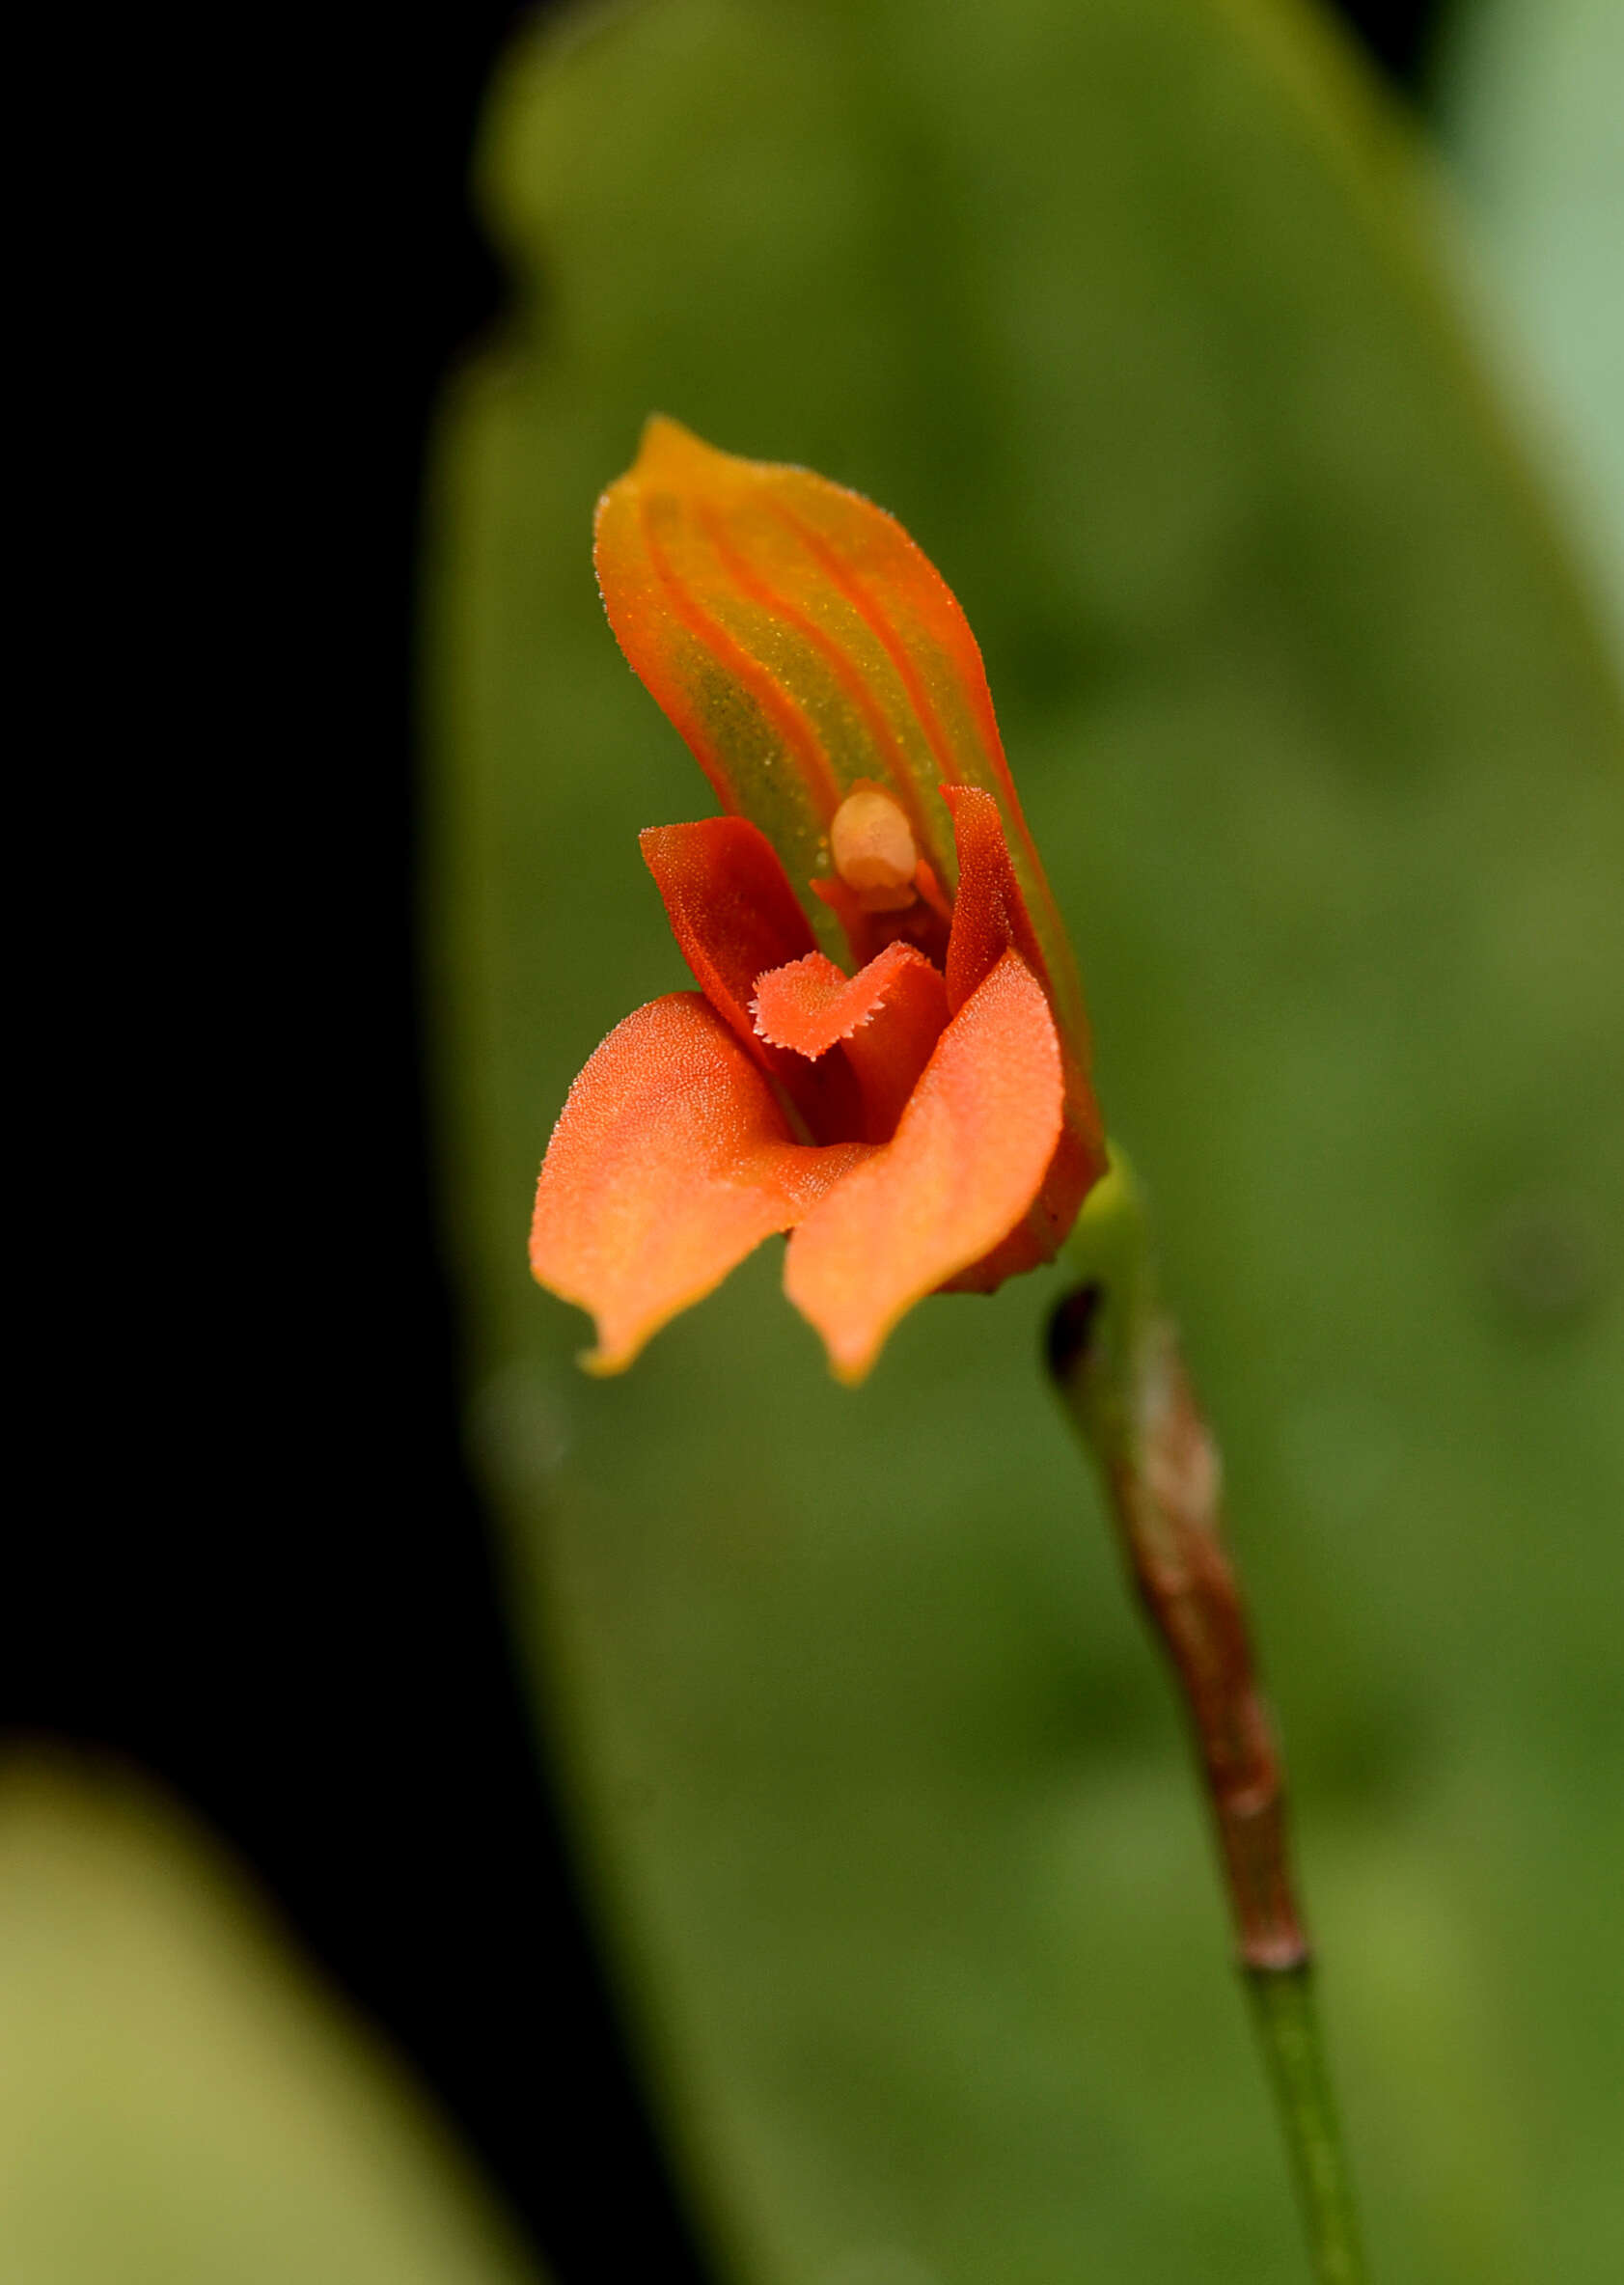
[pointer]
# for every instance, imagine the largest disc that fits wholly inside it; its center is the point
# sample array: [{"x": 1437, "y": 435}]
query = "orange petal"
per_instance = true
[
  {"x": 990, "y": 915},
  {"x": 990, "y": 919},
  {"x": 800, "y": 642},
  {"x": 887, "y": 1054},
  {"x": 890, "y": 1016},
  {"x": 810, "y": 1003},
  {"x": 733, "y": 913},
  {"x": 967, "y": 1161},
  {"x": 731, "y": 907},
  {"x": 1077, "y": 1165},
  {"x": 671, "y": 1162}
]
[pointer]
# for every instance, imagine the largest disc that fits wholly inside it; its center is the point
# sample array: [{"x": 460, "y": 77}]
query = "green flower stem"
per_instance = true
[
  {"x": 1115, "y": 1358},
  {"x": 1282, "y": 2003}
]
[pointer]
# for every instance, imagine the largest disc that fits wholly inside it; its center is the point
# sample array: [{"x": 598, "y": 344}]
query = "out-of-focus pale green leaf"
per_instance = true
[
  {"x": 1532, "y": 99},
  {"x": 179, "y": 2105},
  {"x": 1130, "y": 310}
]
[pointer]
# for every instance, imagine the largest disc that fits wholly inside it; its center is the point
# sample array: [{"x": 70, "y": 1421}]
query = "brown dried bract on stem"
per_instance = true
[
  {"x": 1114, "y": 1356},
  {"x": 1168, "y": 1496},
  {"x": 1162, "y": 1470}
]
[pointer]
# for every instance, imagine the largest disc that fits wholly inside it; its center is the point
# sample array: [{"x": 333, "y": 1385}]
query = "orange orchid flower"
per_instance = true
[{"x": 923, "y": 1124}]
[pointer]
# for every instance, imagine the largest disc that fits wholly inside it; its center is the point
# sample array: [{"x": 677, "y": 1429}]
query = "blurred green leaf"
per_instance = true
[
  {"x": 178, "y": 2105},
  {"x": 1131, "y": 310},
  {"x": 1531, "y": 95}
]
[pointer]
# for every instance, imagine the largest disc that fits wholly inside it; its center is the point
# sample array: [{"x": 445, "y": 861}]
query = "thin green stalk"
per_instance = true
[
  {"x": 1116, "y": 1362},
  {"x": 1287, "y": 2020}
]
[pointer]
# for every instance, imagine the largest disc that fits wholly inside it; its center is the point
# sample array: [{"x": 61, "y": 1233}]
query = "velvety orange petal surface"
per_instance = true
[
  {"x": 887, "y": 1020},
  {"x": 968, "y": 1158},
  {"x": 990, "y": 915},
  {"x": 989, "y": 920},
  {"x": 731, "y": 910},
  {"x": 669, "y": 1163},
  {"x": 801, "y": 643},
  {"x": 733, "y": 915},
  {"x": 887, "y": 1054},
  {"x": 810, "y": 1003}
]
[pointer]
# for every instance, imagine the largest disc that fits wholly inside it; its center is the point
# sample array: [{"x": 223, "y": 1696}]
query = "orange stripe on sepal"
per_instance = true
[{"x": 801, "y": 643}]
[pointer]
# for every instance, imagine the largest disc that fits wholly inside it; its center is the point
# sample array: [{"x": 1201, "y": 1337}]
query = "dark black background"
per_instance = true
[{"x": 252, "y": 1562}]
